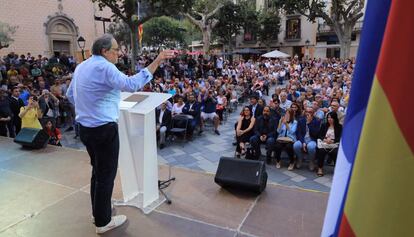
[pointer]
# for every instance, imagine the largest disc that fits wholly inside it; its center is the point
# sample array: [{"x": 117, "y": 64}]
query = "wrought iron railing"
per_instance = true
[{"x": 325, "y": 28}]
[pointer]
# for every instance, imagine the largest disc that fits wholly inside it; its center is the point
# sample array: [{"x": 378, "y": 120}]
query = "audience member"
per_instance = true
[
  {"x": 264, "y": 133},
  {"x": 31, "y": 114},
  {"x": 286, "y": 138},
  {"x": 244, "y": 130},
  {"x": 307, "y": 134},
  {"x": 328, "y": 141},
  {"x": 163, "y": 123}
]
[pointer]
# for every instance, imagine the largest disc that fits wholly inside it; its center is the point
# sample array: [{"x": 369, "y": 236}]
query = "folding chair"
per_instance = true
[{"x": 179, "y": 125}]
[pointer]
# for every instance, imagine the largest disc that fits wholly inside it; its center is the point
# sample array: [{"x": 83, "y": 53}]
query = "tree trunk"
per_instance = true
[
  {"x": 134, "y": 45},
  {"x": 345, "y": 40},
  {"x": 206, "y": 39}
]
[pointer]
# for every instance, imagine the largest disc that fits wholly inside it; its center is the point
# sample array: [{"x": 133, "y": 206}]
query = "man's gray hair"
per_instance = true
[{"x": 103, "y": 42}]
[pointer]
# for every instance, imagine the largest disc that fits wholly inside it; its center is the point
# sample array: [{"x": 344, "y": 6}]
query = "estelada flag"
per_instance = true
[
  {"x": 373, "y": 190},
  {"x": 140, "y": 33}
]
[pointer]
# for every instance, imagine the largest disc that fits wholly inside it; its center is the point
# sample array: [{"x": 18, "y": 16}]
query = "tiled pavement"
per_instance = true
[{"x": 204, "y": 152}]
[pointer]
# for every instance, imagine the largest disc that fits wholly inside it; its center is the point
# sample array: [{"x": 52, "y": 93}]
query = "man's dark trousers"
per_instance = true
[{"x": 102, "y": 144}]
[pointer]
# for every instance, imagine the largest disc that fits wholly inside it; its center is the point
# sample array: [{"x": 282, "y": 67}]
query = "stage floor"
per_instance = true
[{"x": 45, "y": 193}]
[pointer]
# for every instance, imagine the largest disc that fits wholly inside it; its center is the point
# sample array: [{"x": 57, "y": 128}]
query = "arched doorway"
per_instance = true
[{"x": 62, "y": 34}]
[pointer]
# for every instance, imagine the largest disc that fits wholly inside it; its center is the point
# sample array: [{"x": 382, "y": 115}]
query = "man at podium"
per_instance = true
[{"x": 95, "y": 91}]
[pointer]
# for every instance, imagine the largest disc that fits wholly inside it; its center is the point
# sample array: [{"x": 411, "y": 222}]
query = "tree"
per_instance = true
[
  {"x": 269, "y": 21},
  {"x": 162, "y": 31},
  {"x": 340, "y": 15},
  {"x": 204, "y": 16},
  {"x": 126, "y": 10},
  {"x": 6, "y": 33},
  {"x": 250, "y": 18},
  {"x": 230, "y": 22},
  {"x": 191, "y": 32},
  {"x": 122, "y": 33}
]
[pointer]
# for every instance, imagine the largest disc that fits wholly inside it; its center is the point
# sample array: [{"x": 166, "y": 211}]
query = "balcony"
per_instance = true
[{"x": 324, "y": 28}]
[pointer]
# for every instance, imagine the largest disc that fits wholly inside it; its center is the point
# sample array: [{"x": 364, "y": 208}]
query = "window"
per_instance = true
[
  {"x": 293, "y": 28},
  {"x": 249, "y": 35}
]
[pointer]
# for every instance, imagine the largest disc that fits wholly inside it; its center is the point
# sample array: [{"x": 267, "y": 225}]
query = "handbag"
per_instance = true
[
  {"x": 219, "y": 107},
  {"x": 323, "y": 145},
  {"x": 284, "y": 140}
]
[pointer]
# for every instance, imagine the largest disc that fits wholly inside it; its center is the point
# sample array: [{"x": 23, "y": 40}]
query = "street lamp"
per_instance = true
[
  {"x": 307, "y": 42},
  {"x": 81, "y": 44}
]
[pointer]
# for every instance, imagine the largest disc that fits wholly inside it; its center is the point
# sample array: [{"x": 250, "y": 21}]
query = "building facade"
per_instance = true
[
  {"x": 298, "y": 36},
  {"x": 48, "y": 27}
]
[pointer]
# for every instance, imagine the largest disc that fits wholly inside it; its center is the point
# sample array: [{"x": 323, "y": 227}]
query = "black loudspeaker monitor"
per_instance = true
[
  {"x": 248, "y": 175},
  {"x": 32, "y": 138}
]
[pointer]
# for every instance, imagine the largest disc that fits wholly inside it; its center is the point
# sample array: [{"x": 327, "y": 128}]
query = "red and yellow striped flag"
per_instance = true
[{"x": 140, "y": 33}]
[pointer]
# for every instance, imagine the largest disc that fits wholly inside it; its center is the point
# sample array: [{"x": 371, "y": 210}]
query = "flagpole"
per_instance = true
[{"x": 139, "y": 33}]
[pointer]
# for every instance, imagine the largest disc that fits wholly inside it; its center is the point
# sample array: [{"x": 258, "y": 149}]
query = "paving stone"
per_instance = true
[
  {"x": 290, "y": 173},
  {"x": 298, "y": 178},
  {"x": 322, "y": 180}
]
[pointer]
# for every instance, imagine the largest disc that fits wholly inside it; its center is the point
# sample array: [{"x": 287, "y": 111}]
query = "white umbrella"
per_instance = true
[{"x": 276, "y": 54}]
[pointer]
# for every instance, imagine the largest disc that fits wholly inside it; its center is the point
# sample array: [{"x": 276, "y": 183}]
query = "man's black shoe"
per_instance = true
[
  {"x": 162, "y": 146},
  {"x": 217, "y": 132},
  {"x": 69, "y": 129}
]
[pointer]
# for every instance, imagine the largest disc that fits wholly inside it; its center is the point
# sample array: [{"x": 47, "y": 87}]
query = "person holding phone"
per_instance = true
[{"x": 31, "y": 113}]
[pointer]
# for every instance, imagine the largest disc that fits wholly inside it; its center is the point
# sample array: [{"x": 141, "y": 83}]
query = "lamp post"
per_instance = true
[
  {"x": 307, "y": 42},
  {"x": 81, "y": 44}
]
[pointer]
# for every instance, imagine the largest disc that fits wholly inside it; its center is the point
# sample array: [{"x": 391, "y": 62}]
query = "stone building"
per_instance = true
[
  {"x": 300, "y": 37},
  {"x": 49, "y": 27}
]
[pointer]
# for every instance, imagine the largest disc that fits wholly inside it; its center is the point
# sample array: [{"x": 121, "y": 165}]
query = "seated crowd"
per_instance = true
[{"x": 303, "y": 117}]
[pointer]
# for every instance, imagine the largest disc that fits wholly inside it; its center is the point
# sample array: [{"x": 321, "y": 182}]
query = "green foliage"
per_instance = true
[
  {"x": 303, "y": 7},
  {"x": 122, "y": 33},
  {"x": 250, "y": 17},
  {"x": 162, "y": 31},
  {"x": 234, "y": 17},
  {"x": 336, "y": 11},
  {"x": 269, "y": 25},
  {"x": 230, "y": 19},
  {"x": 126, "y": 9},
  {"x": 206, "y": 6},
  {"x": 6, "y": 34},
  {"x": 192, "y": 33}
]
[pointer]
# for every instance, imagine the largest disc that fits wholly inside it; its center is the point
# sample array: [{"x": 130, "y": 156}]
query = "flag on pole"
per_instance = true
[
  {"x": 372, "y": 192},
  {"x": 140, "y": 33},
  {"x": 140, "y": 27}
]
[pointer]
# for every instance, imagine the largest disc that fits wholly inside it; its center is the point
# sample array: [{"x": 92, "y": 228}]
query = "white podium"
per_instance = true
[{"x": 138, "y": 161}]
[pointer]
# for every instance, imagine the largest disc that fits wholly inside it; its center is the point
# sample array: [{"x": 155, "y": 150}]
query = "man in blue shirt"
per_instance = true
[
  {"x": 307, "y": 134},
  {"x": 95, "y": 91}
]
